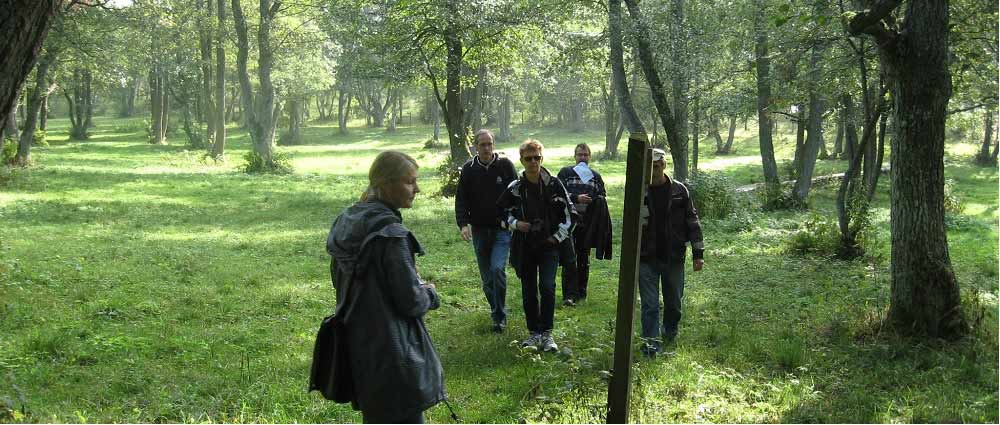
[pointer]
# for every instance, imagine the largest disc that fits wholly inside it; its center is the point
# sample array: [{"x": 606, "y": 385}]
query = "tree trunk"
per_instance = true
[
  {"x": 680, "y": 85},
  {"x": 504, "y": 135},
  {"x": 219, "y": 113},
  {"x": 764, "y": 127},
  {"x": 451, "y": 104},
  {"x": 800, "y": 137},
  {"x": 43, "y": 116},
  {"x": 35, "y": 98},
  {"x": 924, "y": 293},
  {"x": 838, "y": 143},
  {"x": 850, "y": 125},
  {"x": 676, "y": 137},
  {"x": 629, "y": 115},
  {"x": 88, "y": 98},
  {"x": 731, "y": 136},
  {"x": 694, "y": 133},
  {"x": 816, "y": 109},
  {"x": 611, "y": 119},
  {"x": 391, "y": 102},
  {"x": 267, "y": 108},
  {"x": 25, "y": 24},
  {"x": 476, "y": 99},
  {"x": 343, "y": 105},
  {"x": 983, "y": 157},
  {"x": 206, "y": 105},
  {"x": 294, "y": 110},
  {"x": 713, "y": 130},
  {"x": 436, "y": 118},
  {"x": 11, "y": 129}
]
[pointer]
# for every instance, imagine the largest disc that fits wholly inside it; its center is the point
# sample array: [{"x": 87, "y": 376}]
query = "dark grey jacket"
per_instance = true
[{"x": 394, "y": 365}]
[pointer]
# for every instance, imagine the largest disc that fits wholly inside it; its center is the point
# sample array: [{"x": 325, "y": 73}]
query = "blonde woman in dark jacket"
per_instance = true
[{"x": 396, "y": 372}]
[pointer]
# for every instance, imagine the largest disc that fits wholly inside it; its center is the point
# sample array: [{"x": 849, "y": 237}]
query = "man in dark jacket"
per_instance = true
[
  {"x": 483, "y": 179},
  {"x": 669, "y": 222},
  {"x": 537, "y": 207},
  {"x": 585, "y": 186}
]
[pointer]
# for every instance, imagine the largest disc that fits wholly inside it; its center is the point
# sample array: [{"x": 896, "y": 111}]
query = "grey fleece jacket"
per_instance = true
[{"x": 394, "y": 365}]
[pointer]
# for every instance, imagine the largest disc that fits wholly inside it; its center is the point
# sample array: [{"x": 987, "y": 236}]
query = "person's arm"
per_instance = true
[
  {"x": 408, "y": 294},
  {"x": 565, "y": 217},
  {"x": 694, "y": 231},
  {"x": 508, "y": 207},
  {"x": 462, "y": 212}
]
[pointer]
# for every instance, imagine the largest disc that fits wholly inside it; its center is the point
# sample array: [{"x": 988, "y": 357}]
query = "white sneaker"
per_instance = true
[
  {"x": 535, "y": 340},
  {"x": 547, "y": 343}
]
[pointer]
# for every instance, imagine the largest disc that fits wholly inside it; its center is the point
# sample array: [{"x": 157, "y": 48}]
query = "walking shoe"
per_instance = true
[
  {"x": 548, "y": 344},
  {"x": 535, "y": 340},
  {"x": 648, "y": 351},
  {"x": 499, "y": 327},
  {"x": 568, "y": 302}
]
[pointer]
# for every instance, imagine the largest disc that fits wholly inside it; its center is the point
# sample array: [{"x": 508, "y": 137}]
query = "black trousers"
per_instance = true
[{"x": 575, "y": 263}]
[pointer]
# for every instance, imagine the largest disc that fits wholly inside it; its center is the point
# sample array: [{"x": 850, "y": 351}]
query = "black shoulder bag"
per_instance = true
[{"x": 331, "y": 367}]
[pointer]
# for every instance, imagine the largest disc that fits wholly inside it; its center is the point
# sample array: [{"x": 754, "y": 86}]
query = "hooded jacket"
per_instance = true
[{"x": 393, "y": 362}]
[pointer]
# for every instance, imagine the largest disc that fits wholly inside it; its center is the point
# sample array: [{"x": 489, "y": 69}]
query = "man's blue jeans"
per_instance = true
[
  {"x": 651, "y": 275},
  {"x": 492, "y": 245}
]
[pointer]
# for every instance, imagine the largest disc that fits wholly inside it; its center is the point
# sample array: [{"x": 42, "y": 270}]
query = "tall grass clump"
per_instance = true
[
  {"x": 712, "y": 193},
  {"x": 281, "y": 163},
  {"x": 817, "y": 235}
]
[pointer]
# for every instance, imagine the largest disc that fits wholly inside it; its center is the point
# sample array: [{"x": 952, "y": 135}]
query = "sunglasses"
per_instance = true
[{"x": 533, "y": 158}]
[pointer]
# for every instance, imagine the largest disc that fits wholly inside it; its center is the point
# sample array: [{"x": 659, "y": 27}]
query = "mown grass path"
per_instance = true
[{"x": 139, "y": 283}]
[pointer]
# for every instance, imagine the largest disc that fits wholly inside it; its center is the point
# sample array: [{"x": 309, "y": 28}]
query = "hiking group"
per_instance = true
[{"x": 534, "y": 220}]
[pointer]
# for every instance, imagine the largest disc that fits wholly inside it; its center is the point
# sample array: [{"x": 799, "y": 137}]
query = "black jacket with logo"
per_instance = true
[{"x": 479, "y": 187}]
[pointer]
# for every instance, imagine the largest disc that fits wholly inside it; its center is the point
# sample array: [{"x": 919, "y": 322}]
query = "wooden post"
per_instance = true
[{"x": 636, "y": 180}]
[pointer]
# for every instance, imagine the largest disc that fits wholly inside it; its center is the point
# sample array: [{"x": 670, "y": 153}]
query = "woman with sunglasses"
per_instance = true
[{"x": 536, "y": 206}]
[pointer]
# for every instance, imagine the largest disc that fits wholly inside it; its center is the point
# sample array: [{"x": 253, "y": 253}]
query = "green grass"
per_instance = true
[{"x": 143, "y": 283}]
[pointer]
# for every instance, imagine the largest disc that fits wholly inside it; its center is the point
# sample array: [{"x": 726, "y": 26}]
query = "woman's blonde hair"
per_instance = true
[{"x": 389, "y": 167}]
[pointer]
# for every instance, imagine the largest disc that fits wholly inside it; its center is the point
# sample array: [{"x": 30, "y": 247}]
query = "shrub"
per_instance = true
[
  {"x": 9, "y": 150},
  {"x": 817, "y": 235},
  {"x": 39, "y": 138},
  {"x": 449, "y": 174},
  {"x": 132, "y": 126},
  {"x": 712, "y": 193},
  {"x": 775, "y": 198},
  {"x": 953, "y": 204},
  {"x": 434, "y": 144},
  {"x": 741, "y": 220},
  {"x": 281, "y": 163}
]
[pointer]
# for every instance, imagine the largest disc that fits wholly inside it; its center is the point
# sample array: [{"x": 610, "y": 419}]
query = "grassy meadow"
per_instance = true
[{"x": 142, "y": 283}]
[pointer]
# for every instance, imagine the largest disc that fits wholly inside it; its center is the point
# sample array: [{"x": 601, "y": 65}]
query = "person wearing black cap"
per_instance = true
[{"x": 669, "y": 221}]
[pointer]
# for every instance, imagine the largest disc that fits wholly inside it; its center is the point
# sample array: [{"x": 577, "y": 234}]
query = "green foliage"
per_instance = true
[
  {"x": 434, "y": 144},
  {"x": 953, "y": 202},
  {"x": 132, "y": 126},
  {"x": 712, "y": 193},
  {"x": 449, "y": 174},
  {"x": 9, "y": 151},
  {"x": 38, "y": 139},
  {"x": 817, "y": 235},
  {"x": 281, "y": 163},
  {"x": 81, "y": 133},
  {"x": 776, "y": 198}
]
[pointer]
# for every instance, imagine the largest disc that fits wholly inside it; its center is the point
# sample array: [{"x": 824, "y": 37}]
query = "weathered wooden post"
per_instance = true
[{"x": 637, "y": 171}]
